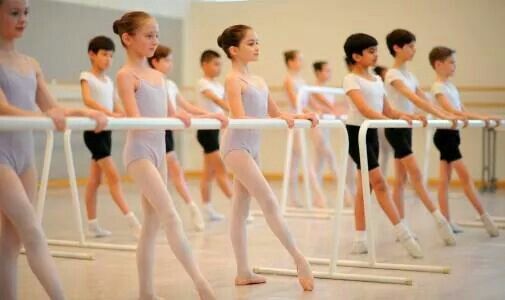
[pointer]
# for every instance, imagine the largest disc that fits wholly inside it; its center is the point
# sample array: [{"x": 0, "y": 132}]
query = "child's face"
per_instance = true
[
  {"x": 164, "y": 64},
  {"x": 296, "y": 64},
  {"x": 102, "y": 59},
  {"x": 212, "y": 68},
  {"x": 368, "y": 57},
  {"x": 248, "y": 49},
  {"x": 447, "y": 67},
  {"x": 407, "y": 52},
  {"x": 145, "y": 40},
  {"x": 13, "y": 18},
  {"x": 325, "y": 73}
]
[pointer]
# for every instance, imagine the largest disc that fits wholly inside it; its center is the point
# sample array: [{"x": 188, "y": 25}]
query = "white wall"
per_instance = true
[
  {"x": 319, "y": 28},
  {"x": 167, "y": 8}
]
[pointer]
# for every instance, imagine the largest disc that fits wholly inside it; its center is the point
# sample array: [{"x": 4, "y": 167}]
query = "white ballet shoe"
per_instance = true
[
  {"x": 359, "y": 247},
  {"x": 196, "y": 217},
  {"x": 489, "y": 225},
  {"x": 456, "y": 229},
  {"x": 95, "y": 231},
  {"x": 446, "y": 233}
]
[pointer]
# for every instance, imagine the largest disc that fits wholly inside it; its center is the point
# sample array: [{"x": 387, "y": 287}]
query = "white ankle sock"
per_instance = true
[
  {"x": 437, "y": 215},
  {"x": 360, "y": 235}
]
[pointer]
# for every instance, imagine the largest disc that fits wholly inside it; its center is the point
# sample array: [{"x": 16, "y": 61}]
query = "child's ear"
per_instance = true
[
  {"x": 356, "y": 57},
  {"x": 396, "y": 48}
]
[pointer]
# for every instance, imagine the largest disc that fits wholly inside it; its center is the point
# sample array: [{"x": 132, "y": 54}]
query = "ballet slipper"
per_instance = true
[
  {"x": 307, "y": 282},
  {"x": 253, "y": 279},
  {"x": 318, "y": 203},
  {"x": 206, "y": 293}
]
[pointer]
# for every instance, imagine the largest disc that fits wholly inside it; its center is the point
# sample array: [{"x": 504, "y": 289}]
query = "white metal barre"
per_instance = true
[
  {"x": 372, "y": 259},
  {"x": 332, "y": 262},
  {"x": 139, "y": 123},
  {"x": 478, "y": 223}
]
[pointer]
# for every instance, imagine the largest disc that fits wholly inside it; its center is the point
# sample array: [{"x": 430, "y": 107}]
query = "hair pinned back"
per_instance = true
[
  {"x": 231, "y": 37},
  {"x": 130, "y": 23}
]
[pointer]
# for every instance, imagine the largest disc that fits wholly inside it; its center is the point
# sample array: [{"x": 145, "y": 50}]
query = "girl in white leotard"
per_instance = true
[
  {"x": 143, "y": 93},
  {"x": 22, "y": 92},
  {"x": 248, "y": 96}
]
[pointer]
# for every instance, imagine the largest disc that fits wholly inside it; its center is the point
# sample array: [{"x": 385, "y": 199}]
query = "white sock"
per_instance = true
[
  {"x": 437, "y": 215},
  {"x": 360, "y": 235},
  {"x": 93, "y": 223},
  {"x": 132, "y": 219},
  {"x": 401, "y": 230}
]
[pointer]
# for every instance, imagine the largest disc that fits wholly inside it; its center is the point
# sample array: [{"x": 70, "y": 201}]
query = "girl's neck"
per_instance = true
[
  {"x": 240, "y": 67},
  {"x": 136, "y": 61},
  {"x": 7, "y": 46},
  {"x": 294, "y": 73},
  {"x": 321, "y": 82}
]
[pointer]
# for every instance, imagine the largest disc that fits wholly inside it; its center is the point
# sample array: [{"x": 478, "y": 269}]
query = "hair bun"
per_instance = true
[
  {"x": 220, "y": 41},
  {"x": 115, "y": 26}
]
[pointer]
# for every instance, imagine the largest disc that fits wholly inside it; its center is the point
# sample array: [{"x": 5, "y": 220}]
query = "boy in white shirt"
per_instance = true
[
  {"x": 98, "y": 93},
  {"x": 447, "y": 141},
  {"x": 405, "y": 94},
  {"x": 211, "y": 97}
]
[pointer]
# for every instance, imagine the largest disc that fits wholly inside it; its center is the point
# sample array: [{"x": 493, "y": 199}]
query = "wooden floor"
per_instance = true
[{"x": 477, "y": 262}]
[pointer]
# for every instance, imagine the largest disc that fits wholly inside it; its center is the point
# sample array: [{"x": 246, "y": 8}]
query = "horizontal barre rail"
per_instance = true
[
  {"x": 431, "y": 123},
  {"x": 321, "y": 89},
  {"x": 80, "y": 123}
]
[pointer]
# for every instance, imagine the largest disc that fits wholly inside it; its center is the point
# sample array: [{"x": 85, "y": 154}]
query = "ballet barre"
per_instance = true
[{"x": 369, "y": 215}]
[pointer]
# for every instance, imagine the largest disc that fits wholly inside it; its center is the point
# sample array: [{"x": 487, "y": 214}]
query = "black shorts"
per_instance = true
[
  {"x": 447, "y": 142},
  {"x": 401, "y": 141},
  {"x": 169, "y": 141},
  {"x": 208, "y": 139},
  {"x": 99, "y": 144},
  {"x": 372, "y": 146}
]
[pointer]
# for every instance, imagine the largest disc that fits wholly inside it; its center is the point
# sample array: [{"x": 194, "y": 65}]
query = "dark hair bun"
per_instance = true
[{"x": 115, "y": 26}]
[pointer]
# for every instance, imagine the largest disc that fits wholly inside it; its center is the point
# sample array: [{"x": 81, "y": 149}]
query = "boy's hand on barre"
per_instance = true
[
  {"x": 99, "y": 117},
  {"x": 184, "y": 117}
]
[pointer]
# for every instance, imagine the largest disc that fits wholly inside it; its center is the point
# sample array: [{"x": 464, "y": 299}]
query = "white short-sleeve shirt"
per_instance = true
[
  {"x": 216, "y": 88},
  {"x": 399, "y": 101},
  {"x": 372, "y": 91},
  {"x": 102, "y": 90},
  {"x": 449, "y": 90},
  {"x": 172, "y": 92}
]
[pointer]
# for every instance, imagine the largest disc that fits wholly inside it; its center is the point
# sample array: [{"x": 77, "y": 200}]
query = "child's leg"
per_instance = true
[
  {"x": 385, "y": 151},
  {"x": 177, "y": 176},
  {"x": 359, "y": 206},
  {"x": 399, "y": 186},
  {"x": 468, "y": 185},
  {"x": 114, "y": 182},
  {"x": 205, "y": 181},
  {"x": 381, "y": 192},
  {"x": 94, "y": 180},
  {"x": 247, "y": 172},
  {"x": 320, "y": 154},
  {"x": 152, "y": 186},
  {"x": 238, "y": 232},
  {"x": 293, "y": 175},
  {"x": 223, "y": 180},
  {"x": 146, "y": 250},
  {"x": 350, "y": 177},
  {"x": 410, "y": 165},
  {"x": 443, "y": 188},
  {"x": 20, "y": 225}
]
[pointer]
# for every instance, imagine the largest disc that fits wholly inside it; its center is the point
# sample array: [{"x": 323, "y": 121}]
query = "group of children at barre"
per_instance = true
[{"x": 149, "y": 156}]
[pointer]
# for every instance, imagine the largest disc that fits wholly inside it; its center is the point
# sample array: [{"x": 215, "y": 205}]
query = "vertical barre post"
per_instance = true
[
  {"x": 41, "y": 195},
  {"x": 287, "y": 170},
  {"x": 365, "y": 185},
  {"x": 339, "y": 200},
  {"x": 73, "y": 185},
  {"x": 306, "y": 170}
]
